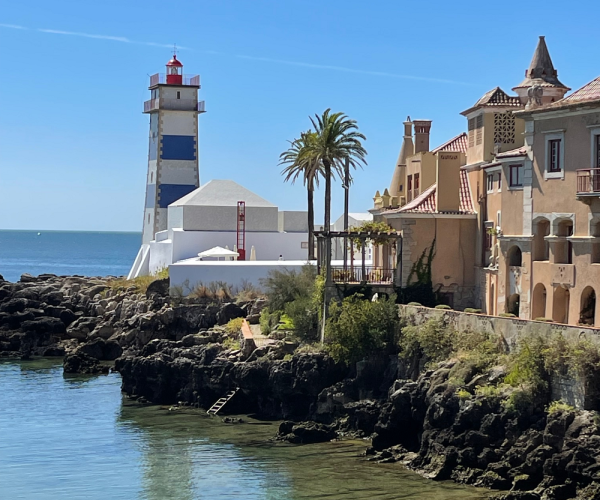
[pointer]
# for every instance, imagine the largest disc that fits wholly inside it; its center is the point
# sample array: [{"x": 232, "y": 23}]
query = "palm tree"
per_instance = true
[
  {"x": 337, "y": 141},
  {"x": 301, "y": 164}
]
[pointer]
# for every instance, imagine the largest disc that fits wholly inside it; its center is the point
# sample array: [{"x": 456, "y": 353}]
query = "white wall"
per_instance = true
[
  {"x": 178, "y": 122},
  {"x": 179, "y": 172},
  {"x": 293, "y": 220},
  {"x": 183, "y": 245},
  {"x": 185, "y": 276},
  {"x": 211, "y": 218}
]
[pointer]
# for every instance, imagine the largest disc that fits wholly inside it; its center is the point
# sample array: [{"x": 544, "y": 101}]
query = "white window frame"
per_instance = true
[
  {"x": 519, "y": 187},
  {"x": 551, "y": 136},
  {"x": 594, "y": 132},
  {"x": 491, "y": 173}
]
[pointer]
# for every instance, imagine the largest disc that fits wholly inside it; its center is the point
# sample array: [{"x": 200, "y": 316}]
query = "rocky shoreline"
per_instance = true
[{"x": 175, "y": 354}]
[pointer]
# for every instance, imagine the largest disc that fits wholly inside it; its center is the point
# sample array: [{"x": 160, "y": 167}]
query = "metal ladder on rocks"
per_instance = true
[{"x": 214, "y": 409}]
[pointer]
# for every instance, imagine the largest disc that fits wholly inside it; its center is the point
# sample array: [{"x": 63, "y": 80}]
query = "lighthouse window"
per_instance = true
[
  {"x": 151, "y": 177},
  {"x": 148, "y": 218},
  {"x": 178, "y": 95}
]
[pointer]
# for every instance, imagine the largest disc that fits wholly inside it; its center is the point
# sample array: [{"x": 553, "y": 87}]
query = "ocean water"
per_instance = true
[
  {"x": 76, "y": 438},
  {"x": 67, "y": 253}
]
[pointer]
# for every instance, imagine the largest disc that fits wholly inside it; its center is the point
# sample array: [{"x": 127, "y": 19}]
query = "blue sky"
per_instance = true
[{"x": 73, "y": 140}]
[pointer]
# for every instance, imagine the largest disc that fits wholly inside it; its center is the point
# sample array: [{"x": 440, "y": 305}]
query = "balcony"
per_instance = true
[
  {"x": 356, "y": 275},
  {"x": 186, "y": 81},
  {"x": 588, "y": 182},
  {"x": 174, "y": 105}
]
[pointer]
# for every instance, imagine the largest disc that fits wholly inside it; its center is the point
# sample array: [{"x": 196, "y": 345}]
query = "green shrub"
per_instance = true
[
  {"x": 463, "y": 394},
  {"x": 234, "y": 326},
  {"x": 304, "y": 317},
  {"x": 285, "y": 323},
  {"x": 282, "y": 287},
  {"x": 432, "y": 339},
  {"x": 230, "y": 343},
  {"x": 546, "y": 320},
  {"x": 443, "y": 306},
  {"x": 507, "y": 315},
  {"x": 309, "y": 348},
  {"x": 472, "y": 310},
  {"x": 560, "y": 405},
  {"x": 358, "y": 327},
  {"x": 287, "y": 357},
  {"x": 268, "y": 320},
  {"x": 415, "y": 304}
]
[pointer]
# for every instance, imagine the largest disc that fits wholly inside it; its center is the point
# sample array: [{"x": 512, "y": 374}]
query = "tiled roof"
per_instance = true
[
  {"x": 458, "y": 143},
  {"x": 497, "y": 97},
  {"x": 589, "y": 92},
  {"x": 426, "y": 202},
  {"x": 522, "y": 151}
]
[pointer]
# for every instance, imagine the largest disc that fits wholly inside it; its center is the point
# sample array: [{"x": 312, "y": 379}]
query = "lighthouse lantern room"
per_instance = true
[{"x": 174, "y": 71}]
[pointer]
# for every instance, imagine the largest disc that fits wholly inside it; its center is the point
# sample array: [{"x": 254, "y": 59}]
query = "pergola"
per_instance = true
[{"x": 361, "y": 274}]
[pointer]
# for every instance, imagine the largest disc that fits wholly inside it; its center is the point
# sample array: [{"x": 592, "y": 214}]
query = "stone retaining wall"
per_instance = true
[{"x": 509, "y": 328}]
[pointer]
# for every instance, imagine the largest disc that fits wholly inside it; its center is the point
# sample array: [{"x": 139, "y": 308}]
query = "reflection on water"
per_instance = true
[{"x": 75, "y": 438}]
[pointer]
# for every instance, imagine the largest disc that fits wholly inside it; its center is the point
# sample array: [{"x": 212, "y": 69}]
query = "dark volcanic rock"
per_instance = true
[
  {"x": 83, "y": 364},
  {"x": 305, "y": 432}
]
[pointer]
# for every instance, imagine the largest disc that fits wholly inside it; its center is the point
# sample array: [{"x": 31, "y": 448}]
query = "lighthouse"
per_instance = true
[{"x": 173, "y": 143}]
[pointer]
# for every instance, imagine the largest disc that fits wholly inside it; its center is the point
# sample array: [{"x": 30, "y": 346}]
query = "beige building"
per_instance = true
[{"x": 513, "y": 204}]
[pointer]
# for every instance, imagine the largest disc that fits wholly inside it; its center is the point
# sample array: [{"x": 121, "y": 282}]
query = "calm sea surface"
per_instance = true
[
  {"x": 76, "y": 438},
  {"x": 67, "y": 252}
]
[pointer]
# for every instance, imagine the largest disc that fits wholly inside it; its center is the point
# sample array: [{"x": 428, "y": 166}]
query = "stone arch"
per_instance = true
[
  {"x": 538, "y": 309},
  {"x": 587, "y": 311},
  {"x": 514, "y": 256},
  {"x": 560, "y": 305},
  {"x": 513, "y": 304},
  {"x": 541, "y": 247}
]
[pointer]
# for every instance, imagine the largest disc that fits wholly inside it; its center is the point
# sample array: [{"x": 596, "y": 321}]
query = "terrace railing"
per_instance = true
[
  {"x": 186, "y": 80},
  {"x": 588, "y": 181},
  {"x": 371, "y": 274}
]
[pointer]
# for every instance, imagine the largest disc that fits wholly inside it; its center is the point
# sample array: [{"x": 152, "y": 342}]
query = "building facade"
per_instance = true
[{"x": 520, "y": 213}]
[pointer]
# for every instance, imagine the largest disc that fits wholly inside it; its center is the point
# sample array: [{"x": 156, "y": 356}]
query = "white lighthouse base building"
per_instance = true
[{"x": 208, "y": 217}]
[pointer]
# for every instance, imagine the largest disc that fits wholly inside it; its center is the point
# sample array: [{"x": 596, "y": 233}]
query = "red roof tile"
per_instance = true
[
  {"x": 458, "y": 143},
  {"x": 426, "y": 202},
  {"x": 589, "y": 92}
]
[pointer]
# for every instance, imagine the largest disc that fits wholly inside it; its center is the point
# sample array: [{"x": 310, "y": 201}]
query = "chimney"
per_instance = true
[
  {"x": 422, "y": 128},
  {"x": 448, "y": 181}
]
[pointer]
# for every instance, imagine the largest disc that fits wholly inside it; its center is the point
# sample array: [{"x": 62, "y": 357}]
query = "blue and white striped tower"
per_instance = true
[{"x": 173, "y": 150}]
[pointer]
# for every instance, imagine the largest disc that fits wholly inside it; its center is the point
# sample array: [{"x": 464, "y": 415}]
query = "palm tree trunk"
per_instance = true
[
  {"x": 327, "y": 225},
  {"x": 311, "y": 224}
]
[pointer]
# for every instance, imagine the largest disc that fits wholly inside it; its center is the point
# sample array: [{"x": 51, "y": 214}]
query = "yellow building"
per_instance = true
[{"x": 513, "y": 204}]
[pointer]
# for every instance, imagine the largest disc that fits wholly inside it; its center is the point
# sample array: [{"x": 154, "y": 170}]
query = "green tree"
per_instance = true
[
  {"x": 301, "y": 164},
  {"x": 336, "y": 139}
]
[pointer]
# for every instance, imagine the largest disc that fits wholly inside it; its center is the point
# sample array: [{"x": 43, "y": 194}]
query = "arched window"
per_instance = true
[
  {"x": 538, "y": 309},
  {"x": 513, "y": 303},
  {"x": 587, "y": 313},
  {"x": 515, "y": 258},
  {"x": 560, "y": 305}
]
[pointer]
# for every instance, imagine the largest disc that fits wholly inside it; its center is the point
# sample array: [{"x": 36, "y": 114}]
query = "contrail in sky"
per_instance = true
[
  {"x": 351, "y": 70},
  {"x": 123, "y": 39}
]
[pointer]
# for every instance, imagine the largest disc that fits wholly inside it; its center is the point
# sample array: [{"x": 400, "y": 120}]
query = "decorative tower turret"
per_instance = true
[
  {"x": 173, "y": 143},
  {"x": 541, "y": 76}
]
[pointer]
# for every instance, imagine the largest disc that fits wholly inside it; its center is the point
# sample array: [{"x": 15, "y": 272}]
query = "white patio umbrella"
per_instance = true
[
  {"x": 217, "y": 252},
  {"x": 237, "y": 253}
]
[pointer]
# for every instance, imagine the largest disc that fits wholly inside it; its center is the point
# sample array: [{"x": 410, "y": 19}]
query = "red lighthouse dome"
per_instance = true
[{"x": 174, "y": 71}]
